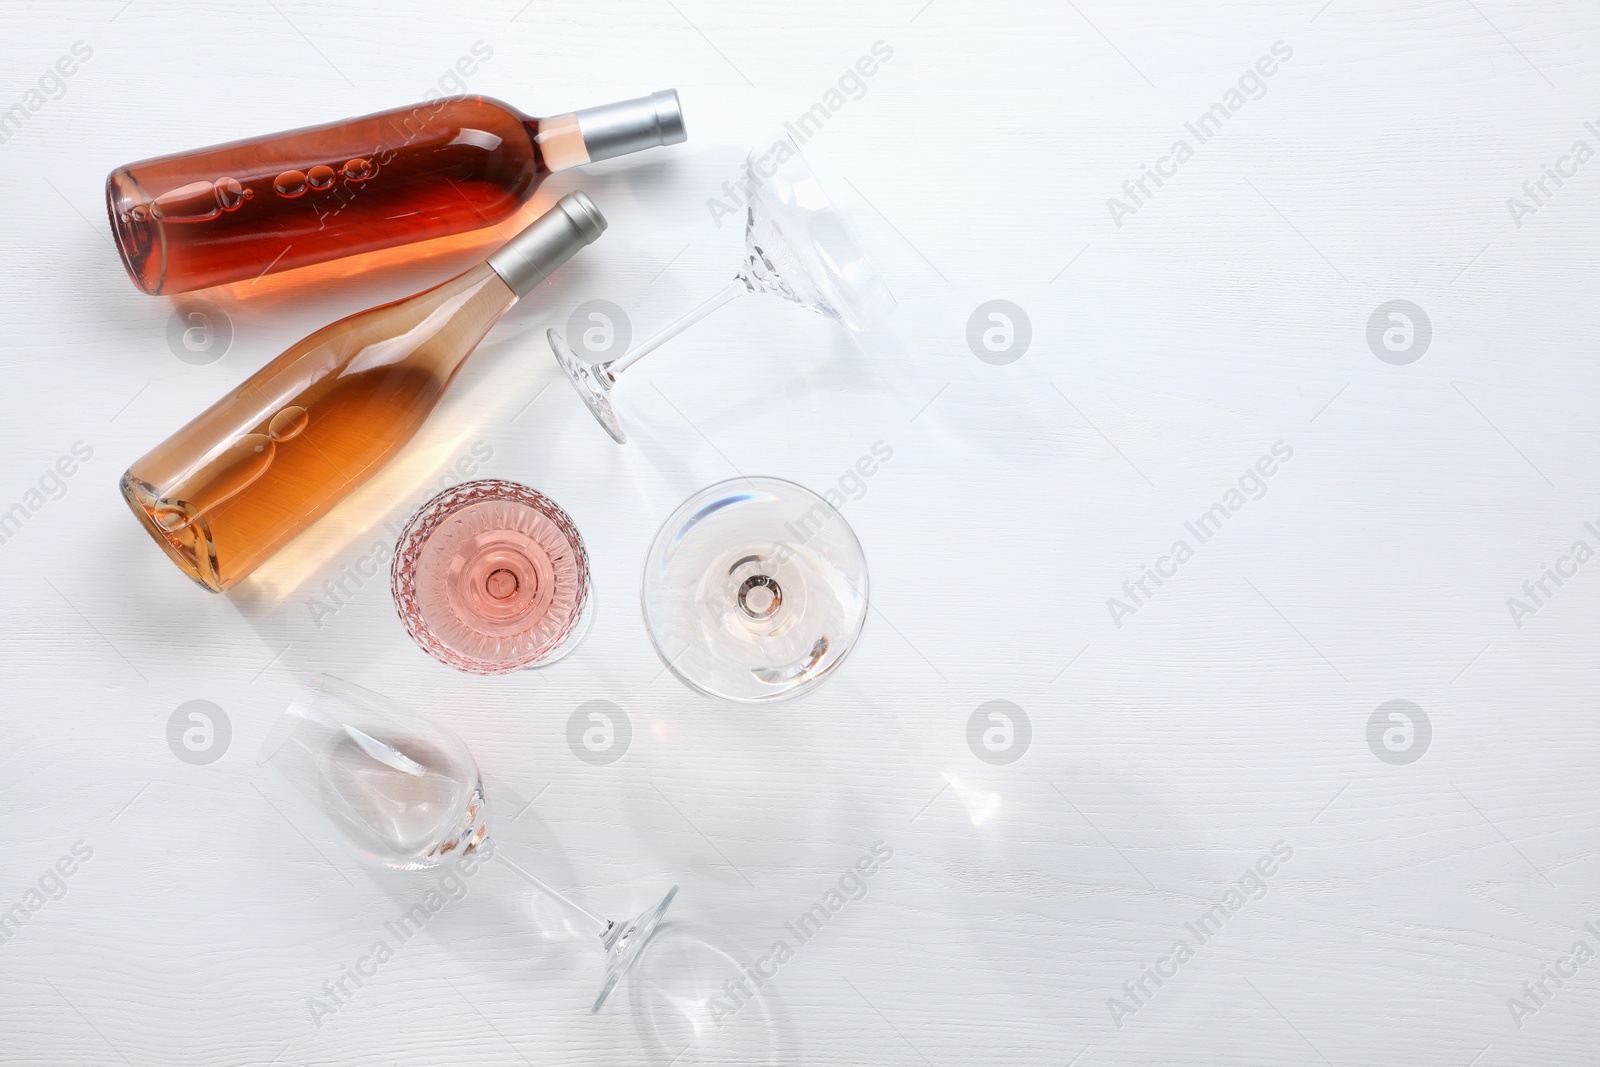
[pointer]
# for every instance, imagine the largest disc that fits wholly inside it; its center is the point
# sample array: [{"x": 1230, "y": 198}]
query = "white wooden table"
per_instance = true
[{"x": 1213, "y": 841}]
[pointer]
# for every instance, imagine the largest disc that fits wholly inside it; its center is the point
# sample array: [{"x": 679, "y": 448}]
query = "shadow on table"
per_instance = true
[{"x": 695, "y": 1000}]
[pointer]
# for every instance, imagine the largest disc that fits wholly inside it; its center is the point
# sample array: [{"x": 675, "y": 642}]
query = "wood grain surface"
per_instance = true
[{"x": 1208, "y": 760}]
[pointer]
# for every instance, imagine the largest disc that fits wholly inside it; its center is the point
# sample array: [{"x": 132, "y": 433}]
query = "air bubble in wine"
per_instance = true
[
  {"x": 289, "y": 184},
  {"x": 287, "y": 424}
]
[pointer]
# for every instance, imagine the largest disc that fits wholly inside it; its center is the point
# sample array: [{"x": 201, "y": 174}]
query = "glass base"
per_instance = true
[
  {"x": 623, "y": 943},
  {"x": 590, "y": 384},
  {"x": 579, "y": 631}
]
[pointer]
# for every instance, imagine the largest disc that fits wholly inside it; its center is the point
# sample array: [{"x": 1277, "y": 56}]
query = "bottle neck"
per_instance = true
[
  {"x": 610, "y": 130},
  {"x": 549, "y": 241},
  {"x": 559, "y": 141}
]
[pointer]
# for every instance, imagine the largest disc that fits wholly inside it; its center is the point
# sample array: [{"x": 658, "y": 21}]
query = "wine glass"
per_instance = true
[
  {"x": 797, "y": 246},
  {"x": 406, "y": 791},
  {"x": 490, "y": 577},
  {"x": 688, "y": 1012},
  {"x": 755, "y": 590}
]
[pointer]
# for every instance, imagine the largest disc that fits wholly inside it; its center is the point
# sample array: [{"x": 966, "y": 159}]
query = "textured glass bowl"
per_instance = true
[{"x": 491, "y": 577}]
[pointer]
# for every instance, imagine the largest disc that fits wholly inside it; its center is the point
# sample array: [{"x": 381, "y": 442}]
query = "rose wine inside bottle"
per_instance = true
[
  {"x": 239, "y": 482},
  {"x": 241, "y": 210}
]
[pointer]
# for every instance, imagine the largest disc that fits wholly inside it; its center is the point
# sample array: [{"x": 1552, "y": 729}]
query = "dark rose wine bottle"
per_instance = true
[{"x": 241, "y": 210}]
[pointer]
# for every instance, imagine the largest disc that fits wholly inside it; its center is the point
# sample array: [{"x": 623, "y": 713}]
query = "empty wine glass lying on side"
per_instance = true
[
  {"x": 797, "y": 246},
  {"x": 407, "y": 792}
]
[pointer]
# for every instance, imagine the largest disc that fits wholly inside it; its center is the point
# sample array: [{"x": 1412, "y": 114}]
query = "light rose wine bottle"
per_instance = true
[
  {"x": 238, "y": 211},
  {"x": 249, "y": 473}
]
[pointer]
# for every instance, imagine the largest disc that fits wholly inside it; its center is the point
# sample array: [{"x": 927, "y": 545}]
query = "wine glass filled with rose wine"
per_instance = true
[{"x": 491, "y": 577}]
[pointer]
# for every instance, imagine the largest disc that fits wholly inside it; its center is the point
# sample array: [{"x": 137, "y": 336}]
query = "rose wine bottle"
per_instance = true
[
  {"x": 250, "y": 472},
  {"x": 242, "y": 210}
]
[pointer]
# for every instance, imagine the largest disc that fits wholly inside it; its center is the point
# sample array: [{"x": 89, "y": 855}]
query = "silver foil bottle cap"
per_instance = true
[
  {"x": 632, "y": 125},
  {"x": 549, "y": 241}
]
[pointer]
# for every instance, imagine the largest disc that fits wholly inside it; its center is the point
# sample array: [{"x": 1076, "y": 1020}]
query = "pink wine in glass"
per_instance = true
[{"x": 491, "y": 577}]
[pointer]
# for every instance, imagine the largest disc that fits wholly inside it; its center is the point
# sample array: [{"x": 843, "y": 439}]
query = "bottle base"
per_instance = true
[
  {"x": 184, "y": 536},
  {"x": 140, "y": 240}
]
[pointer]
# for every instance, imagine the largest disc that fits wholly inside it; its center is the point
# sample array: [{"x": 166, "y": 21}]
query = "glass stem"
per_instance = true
[
  {"x": 732, "y": 291},
  {"x": 602, "y": 927}
]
